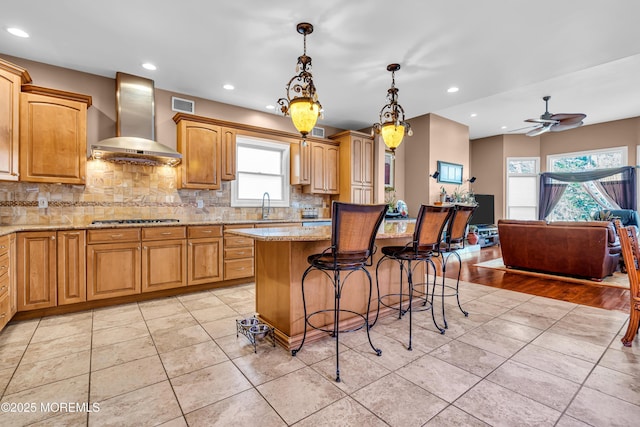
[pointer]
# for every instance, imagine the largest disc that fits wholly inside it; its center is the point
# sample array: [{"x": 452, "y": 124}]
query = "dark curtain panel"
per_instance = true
[
  {"x": 620, "y": 186},
  {"x": 549, "y": 197}
]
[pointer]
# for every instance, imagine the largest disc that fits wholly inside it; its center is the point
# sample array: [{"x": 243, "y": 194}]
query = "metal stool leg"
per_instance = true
[{"x": 304, "y": 307}]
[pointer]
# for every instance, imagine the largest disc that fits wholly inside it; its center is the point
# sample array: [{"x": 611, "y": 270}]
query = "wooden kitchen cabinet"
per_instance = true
[
  {"x": 12, "y": 77},
  {"x": 228, "y": 155},
  {"x": 37, "y": 270},
  {"x": 7, "y": 284},
  {"x": 300, "y": 164},
  {"x": 164, "y": 258},
  {"x": 53, "y": 135},
  {"x": 356, "y": 167},
  {"x": 199, "y": 143},
  {"x": 113, "y": 263},
  {"x": 72, "y": 266},
  {"x": 205, "y": 252},
  {"x": 324, "y": 169},
  {"x": 238, "y": 254}
]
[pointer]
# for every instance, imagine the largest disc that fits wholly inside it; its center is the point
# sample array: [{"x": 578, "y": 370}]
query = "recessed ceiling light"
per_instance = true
[
  {"x": 18, "y": 32},
  {"x": 474, "y": 115},
  {"x": 503, "y": 127},
  {"x": 228, "y": 87},
  {"x": 270, "y": 107},
  {"x": 453, "y": 89},
  {"x": 149, "y": 66}
]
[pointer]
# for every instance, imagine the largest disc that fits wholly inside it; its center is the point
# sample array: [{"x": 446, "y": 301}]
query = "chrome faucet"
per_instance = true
[{"x": 266, "y": 215}]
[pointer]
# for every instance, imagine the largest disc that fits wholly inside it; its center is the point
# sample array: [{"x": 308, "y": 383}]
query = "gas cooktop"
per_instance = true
[{"x": 134, "y": 221}]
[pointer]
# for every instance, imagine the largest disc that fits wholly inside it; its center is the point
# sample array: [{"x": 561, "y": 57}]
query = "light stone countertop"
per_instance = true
[
  {"x": 8, "y": 229},
  {"x": 388, "y": 230}
]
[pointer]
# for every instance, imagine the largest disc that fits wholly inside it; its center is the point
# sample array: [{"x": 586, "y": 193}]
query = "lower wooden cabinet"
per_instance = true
[
  {"x": 204, "y": 254},
  {"x": 8, "y": 299},
  {"x": 238, "y": 254},
  {"x": 114, "y": 268},
  {"x": 72, "y": 266},
  {"x": 37, "y": 270},
  {"x": 164, "y": 258}
]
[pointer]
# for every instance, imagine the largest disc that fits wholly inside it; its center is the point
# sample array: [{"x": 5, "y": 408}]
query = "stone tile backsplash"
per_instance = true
[{"x": 133, "y": 191}]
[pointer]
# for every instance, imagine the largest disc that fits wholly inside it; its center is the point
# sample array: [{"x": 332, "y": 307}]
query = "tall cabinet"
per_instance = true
[
  {"x": 12, "y": 77},
  {"x": 356, "y": 167}
]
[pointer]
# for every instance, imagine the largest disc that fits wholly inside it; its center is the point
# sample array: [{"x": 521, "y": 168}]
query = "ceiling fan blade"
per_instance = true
[
  {"x": 544, "y": 121},
  {"x": 569, "y": 118},
  {"x": 562, "y": 126},
  {"x": 539, "y": 131},
  {"x": 524, "y": 128}
]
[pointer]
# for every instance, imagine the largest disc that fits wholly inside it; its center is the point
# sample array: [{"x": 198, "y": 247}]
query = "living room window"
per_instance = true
[
  {"x": 582, "y": 199},
  {"x": 522, "y": 187},
  {"x": 262, "y": 167}
]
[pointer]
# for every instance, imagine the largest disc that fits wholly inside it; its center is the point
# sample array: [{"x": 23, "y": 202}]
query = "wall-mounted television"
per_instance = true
[
  {"x": 449, "y": 173},
  {"x": 484, "y": 213}
]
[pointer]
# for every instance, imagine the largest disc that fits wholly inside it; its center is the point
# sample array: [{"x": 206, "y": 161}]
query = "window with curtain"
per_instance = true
[
  {"x": 262, "y": 167},
  {"x": 577, "y": 200}
]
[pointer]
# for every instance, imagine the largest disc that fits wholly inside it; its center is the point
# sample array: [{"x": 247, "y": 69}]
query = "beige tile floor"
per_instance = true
[{"x": 517, "y": 360}]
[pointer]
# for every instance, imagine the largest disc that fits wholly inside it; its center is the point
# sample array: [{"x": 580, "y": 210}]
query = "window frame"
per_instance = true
[{"x": 270, "y": 145}]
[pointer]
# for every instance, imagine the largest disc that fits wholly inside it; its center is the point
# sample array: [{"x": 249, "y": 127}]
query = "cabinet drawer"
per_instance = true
[
  {"x": 113, "y": 235},
  {"x": 4, "y": 244},
  {"x": 237, "y": 268},
  {"x": 5, "y": 310},
  {"x": 205, "y": 231},
  {"x": 236, "y": 253},
  {"x": 162, "y": 233},
  {"x": 231, "y": 241}
]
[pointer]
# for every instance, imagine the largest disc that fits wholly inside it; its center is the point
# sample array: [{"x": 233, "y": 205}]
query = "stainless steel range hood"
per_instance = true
[{"x": 135, "y": 127}]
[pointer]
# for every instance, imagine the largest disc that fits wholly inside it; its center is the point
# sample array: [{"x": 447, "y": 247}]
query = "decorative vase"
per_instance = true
[
  {"x": 443, "y": 197},
  {"x": 472, "y": 238}
]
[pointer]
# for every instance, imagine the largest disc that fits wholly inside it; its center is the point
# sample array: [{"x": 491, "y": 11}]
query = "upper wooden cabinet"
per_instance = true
[
  {"x": 356, "y": 167},
  {"x": 228, "y": 155},
  {"x": 199, "y": 144},
  {"x": 300, "y": 164},
  {"x": 12, "y": 77},
  {"x": 324, "y": 169},
  {"x": 53, "y": 135},
  {"x": 208, "y": 152}
]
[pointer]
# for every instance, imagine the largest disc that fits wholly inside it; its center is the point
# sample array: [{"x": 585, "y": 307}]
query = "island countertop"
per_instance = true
[{"x": 388, "y": 230}]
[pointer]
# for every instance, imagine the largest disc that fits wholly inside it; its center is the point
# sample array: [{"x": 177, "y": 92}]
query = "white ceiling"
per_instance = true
[{"x": 504, "y": 55}]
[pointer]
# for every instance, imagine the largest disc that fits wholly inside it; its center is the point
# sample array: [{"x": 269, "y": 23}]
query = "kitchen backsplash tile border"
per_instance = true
[{"x": 132, "y": 191}]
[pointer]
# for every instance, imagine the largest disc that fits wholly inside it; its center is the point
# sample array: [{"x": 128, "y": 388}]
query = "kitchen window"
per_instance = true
[{"x": 262, "y": 167}]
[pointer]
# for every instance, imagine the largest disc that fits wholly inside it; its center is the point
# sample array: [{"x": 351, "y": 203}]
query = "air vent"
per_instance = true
[
  {"x": 319, "y": 132},
  {"x": 183, "y": 105}
]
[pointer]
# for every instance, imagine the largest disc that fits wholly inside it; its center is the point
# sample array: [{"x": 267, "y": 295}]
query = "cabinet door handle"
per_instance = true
[
  {"x": 204, "y": 231},
  {"x": 166, "y": 233},
  {"x": 2, "y": 246},
  {"x": 4, "y": 267},
  {"x": 115, "y": 236},
  {"x": 53, "y": 237},
  {"x": 3, "y": 288},
  {"x": 2, "y": 316}
]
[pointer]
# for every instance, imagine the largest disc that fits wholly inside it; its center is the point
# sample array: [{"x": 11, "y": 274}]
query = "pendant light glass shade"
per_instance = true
[
  {"x": 392, "y": 135},
  {"x": 304, "y": 114},
  {"x": 392, "y": 126}
]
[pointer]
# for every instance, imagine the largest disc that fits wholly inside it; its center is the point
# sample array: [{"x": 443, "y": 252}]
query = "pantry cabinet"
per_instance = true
[
  {"x": 53, "y": 135},
  {"x": 356, "y": 167}
]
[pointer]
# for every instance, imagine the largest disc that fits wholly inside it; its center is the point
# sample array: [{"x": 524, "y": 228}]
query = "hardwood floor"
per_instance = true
[{"x": 596, "y": 296}]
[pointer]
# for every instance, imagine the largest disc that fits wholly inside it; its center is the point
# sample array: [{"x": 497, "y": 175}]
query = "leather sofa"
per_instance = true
[{"x": 588, "y": 249}]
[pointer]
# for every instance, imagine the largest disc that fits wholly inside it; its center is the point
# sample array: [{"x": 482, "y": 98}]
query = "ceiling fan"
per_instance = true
[{"x": 553, "y": 122}]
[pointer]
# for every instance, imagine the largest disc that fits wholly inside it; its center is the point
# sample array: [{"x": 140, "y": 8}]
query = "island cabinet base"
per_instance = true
[{"x": 279, "y": 267}]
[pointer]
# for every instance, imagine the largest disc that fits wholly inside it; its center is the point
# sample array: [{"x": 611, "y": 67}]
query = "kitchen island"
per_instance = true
[{"x": 280, "y": 261}]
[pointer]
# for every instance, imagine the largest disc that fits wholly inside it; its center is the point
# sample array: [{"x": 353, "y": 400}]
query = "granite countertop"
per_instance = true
[
  {"x": 8, "y": 229},
  {"x": 388, "y": 230}
]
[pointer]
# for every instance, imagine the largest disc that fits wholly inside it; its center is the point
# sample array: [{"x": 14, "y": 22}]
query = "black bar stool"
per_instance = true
[
  {"x": 454, "y": 241},
  {"x": 353, "y": 232},
  {"x": 424, "y": 246}
]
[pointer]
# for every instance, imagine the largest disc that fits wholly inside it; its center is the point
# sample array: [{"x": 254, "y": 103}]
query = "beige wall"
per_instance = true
[{"x": 434, "y": 138}]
